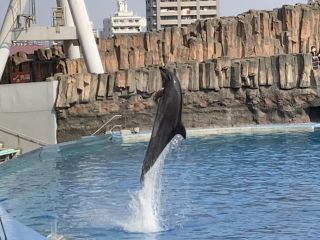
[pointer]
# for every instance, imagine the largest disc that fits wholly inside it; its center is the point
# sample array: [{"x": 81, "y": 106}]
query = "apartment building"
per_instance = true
[
  {"x": 123, "y": 21},
  {"x": 168, "y": 13}
]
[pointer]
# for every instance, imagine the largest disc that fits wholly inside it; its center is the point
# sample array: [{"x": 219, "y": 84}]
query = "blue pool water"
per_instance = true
[{"x": 262, "y": 186}]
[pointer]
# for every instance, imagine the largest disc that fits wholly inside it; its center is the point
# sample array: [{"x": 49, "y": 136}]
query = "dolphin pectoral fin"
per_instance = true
[
  {"x": 180, "y": 129},
  {"x": 158, "y": 95}
]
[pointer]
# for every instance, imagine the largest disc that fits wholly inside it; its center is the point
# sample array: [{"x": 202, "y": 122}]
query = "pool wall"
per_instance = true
[{"x": 27, "y": 115}]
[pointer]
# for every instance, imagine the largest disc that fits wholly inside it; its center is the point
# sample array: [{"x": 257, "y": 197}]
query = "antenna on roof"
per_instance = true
[{"x": 33, "y": 10}]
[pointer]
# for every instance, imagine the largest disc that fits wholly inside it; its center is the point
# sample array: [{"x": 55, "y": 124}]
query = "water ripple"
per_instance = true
[{"x": 245, "y": 186}]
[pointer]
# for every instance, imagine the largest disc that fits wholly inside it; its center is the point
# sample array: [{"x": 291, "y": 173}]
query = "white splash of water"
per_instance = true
[
  {"x": 54, "y": 232},
  {"x": 145, "y": 206}
]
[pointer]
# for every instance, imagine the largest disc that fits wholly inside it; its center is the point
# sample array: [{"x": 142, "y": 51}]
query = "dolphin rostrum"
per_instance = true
[{"x": 167, "y": 123}]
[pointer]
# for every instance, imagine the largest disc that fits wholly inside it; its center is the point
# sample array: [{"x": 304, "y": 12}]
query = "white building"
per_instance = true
[
  {"x": 168, "y": 13},
  {"x": 123, "y": 21}
]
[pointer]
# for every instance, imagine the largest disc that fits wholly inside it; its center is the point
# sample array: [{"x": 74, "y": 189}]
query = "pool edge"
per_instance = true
[{"x": 204, "y": 132}]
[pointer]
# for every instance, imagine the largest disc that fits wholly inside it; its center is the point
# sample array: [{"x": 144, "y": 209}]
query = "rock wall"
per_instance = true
[
  {"x": 43, "y": 63},
  {"x": 217, "y": 92},
  {"x": 290, "y": 29}
]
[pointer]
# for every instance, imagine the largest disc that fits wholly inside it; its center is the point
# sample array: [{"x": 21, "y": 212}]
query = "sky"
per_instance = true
[{"x": 100, "y": 9}]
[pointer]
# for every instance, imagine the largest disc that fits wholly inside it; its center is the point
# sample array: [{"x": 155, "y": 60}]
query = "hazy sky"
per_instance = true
[{"x": 99, "y": 9}]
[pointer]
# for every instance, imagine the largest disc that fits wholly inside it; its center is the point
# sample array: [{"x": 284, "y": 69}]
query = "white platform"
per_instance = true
[{"x": 199, "y": 132}]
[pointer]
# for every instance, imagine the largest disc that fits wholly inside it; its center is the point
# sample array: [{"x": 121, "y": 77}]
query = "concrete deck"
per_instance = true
[{"x": 202, "y": 132}]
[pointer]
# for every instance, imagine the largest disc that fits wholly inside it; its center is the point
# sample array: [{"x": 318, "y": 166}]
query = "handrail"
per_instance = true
[
  {"x": 22, "y": 136},
  {"x": 3, "y": 230},
  {"x": 105, "y": 124}
]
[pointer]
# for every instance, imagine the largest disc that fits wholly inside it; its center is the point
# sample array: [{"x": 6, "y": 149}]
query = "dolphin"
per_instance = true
[{"x": 167, "y": 123}]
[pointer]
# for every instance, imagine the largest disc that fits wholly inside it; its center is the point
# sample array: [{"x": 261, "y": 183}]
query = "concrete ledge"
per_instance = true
[
  {"x": 45, "y": 33},
  {"x": 14, "y": 230},
  {"x": 202, "y": 132}
]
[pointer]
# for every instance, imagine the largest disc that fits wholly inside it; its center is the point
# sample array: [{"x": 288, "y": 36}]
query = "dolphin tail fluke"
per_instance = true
[{"x": 180, "y": 129}]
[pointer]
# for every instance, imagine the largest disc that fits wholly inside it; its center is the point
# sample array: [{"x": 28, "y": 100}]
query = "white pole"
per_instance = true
[
  {"x": 86, "y": 36},
  {"x": 15, "y": 8},
  {"x": 72, "y": 51}
]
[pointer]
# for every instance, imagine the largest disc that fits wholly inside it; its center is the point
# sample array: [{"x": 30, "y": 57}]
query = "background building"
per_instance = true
[
  {"x": 167, "y": 13},
  {"x": 123, "y": 21}
]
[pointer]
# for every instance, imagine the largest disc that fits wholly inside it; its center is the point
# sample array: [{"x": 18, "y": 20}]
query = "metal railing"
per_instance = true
[
  {"x": 22, "y": 136},
  {"x": 105, "y": 124},
  {"x": 3, "y": 230}
]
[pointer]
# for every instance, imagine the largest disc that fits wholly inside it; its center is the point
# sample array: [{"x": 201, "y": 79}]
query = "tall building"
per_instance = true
[
  {"x": 123, "y": 21},
  {"x": 168, "y": 13}
]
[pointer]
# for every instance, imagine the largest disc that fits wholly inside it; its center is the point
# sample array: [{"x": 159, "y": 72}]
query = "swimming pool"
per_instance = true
[{"x": 243, "y": 186}]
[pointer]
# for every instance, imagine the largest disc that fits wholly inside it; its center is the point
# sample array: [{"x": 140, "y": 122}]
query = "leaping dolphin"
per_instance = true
[{"x": 167, "y": 123}]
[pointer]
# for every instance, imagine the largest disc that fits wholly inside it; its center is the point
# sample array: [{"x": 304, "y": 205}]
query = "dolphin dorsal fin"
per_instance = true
[{"x": 180, "y": 129}]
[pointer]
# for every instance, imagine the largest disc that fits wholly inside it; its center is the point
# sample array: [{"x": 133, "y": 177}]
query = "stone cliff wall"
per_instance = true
[
  {"x": 217, "y": 92},
  {"x": 290, "y": 29}
]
